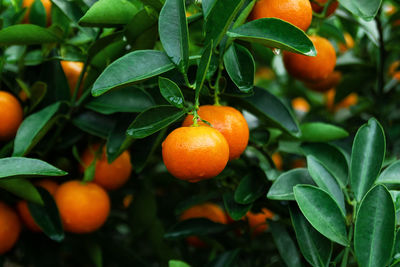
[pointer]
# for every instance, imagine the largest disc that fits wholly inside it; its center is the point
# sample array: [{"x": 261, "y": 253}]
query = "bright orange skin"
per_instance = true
[
  {"x": 349, "y": 101},
  {"x": 394, "y": 70},
  {"x": 324, "y": 85},
  {"x": 195, "y": 153},
  {"x": 110, "y": 176},
  {"x": 349, "y": 43},
  {"x": 11, "y": 115},
  {"x": 296, "y": 12},
  {"x": 228, "y": 121},
  {"x": 83, "y": 207},
  {"x": 277, "y": 159},
  {"x": 258, "y": 221},
  {"x": 47, "y": 7},
  {"x": 207, "y": 210},
  {"x": 10, "y": 228},
  {"x": 23, "y": 210},
  {"x": 72, "y": 70},
  {"x": 319, "y": 7},
  {"x": 311, "y": 69},
  {"x": 300, "y": 104}
]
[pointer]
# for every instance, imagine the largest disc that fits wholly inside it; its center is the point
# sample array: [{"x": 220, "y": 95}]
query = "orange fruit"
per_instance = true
[
  {"x": 227, "y": 120},
  {"x": 394, "y": 70},
  {"x": 207, "y": 210},
  {"x": 324, "y": 85},
  {"x": 348, "y": 101},
  {"x": 46, "y": 4},
  {"x": 311, "y": 69},
  {"x": 264, "y": 73},
  {"x": 195, "y": 153},
  {"x": 277, "y": 159},
  {"x": 349, "y": 43},
  {"x": 11, "y": 115},
  {"x": 258, "y": 221},
  {"x": 296, "y": 12},
  {"x": 10, "y": 227},
  {"x": 389, "y": 9},
  {"x": 319, "y": 5},
  {"x": 83, "y": 207},
  {"x": 23, "y": 210},
  {"x": 110, "y": 176},
  {"x": 298, "y": 163},
  {"x": 72, "y": 70},
  {"x": 300, "y": 104}
]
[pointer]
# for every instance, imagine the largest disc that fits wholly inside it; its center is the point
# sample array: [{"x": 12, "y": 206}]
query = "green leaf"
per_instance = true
[
  {"x": 277, "y": 33},
  {"x": 147, "y": 64},
  {"x": 329, "y": 30},
  {"x": 171, "y": 92},
  {"x": 47, "y": 216},
  {"x": 207, "y": 6},
  {"x": 250, "y": 188},
  {"x": 129, "y": 99},
  {"x": 173, "y": 30},
  {"x": 322, "y": 212},
  {"x": 94, "y": 123},
  {"x": 391, "y": 175},
  {"x": 26, "y": 34},
  {"x": 220, "y": 18},
  {"x": 240, "y": 65},
  {"x": 282, "y": 188},
  {"x": 108, "y": 13},
  {"x": 262, "y": 162},
  {"x": 316, "y": 248},
  {"x": 367, "y": 157},
  {"x": 157, "y": 4},
  {"x": 374, "y": 231},
  {"x": 176, "y": 263},
  {"x": 331, "y": 157},
  {"x": 366, "y": 9},
  {"x": 324, "y": 179},
  {"x": 154, "y": 119},
  {"x": 144, "y": 20},
  {"x": 235, "y": 210},
  {"x": 37, "y": 14},
  {"x": 321, "y": 132},
  {"x": 225, "y": 259},
  {"x": 34, "y": 128},
  {"x": 202, "y": 69},
  {"x": 285, "y": 245},
  {"x": 198, "y": 226},
  {"x": 117, "y": 140},
  {"x": 22, "y": 188},
  {"x": 16, "y": 167}
]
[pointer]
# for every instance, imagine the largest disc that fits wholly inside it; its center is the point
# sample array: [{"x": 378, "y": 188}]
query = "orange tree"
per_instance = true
[{"x": 281, "y": 115}]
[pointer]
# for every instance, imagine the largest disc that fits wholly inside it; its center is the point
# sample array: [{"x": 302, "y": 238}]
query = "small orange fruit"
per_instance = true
[
  {"x": 394, "y": 70},
  {"x": 258, "y": 221},
  {"x": 311, "y": 69},
  {"x": 46, "y": 4},
  {"x": 319, "y": 5},
  {"x": 348, "y": 101},
  {"x": 298, "y": 163},
  {"x": 22, "y": 206},
  {"x": 10, "y": 227},
  {"x": 195, "y": 153},
  {"x": 300, "y": 104},
  {"x": 324, "y": 85},
  {"x": 263, "y": 73},
  {"x": 349, "y": 43},
  {"x": 11, "y": 115},
  {"x": 83, "y": 207},
  {"x": 110, "y": 176},
  {"x": 277, "y": 159},
  {"x": 389, "y": 9},
  {"x": 296, "y": 12},
  {"x": 228, "y": 121},
  {"x": 72, "y": 71}
]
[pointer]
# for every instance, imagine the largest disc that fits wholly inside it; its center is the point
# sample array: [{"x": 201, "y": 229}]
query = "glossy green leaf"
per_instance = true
[
  {"x": 391, "y": 175},
  {"x": 117, "y": 140},
  {"x": 154, "y": 119},
  {"x": 94, "y": 123},
  {"x": 202, "y": 70},
  {"x": 276, "y": 33},
  {"x": 198, "y": 226},
  {"x": 250, "y": 188},
  {"x": 366, "y": 9},
  {"x": 101, "y": 44},
  {"x": 244, "y": 13},
  {"x": 33, "y": 129},
  {"x": 15, "y": 167},
  {"x": 316, "y": 248},
  {"x": 262, "y": 162},
  {"x": 37, "y": 14},
  {"x": 22, "y": 188},
  {"x": 235, "y": 210},
  {"x": 144, "y": 20},
  {"x": 240, "y": 65},
  {"x": 374, "y": 231},
  {"x": 109, "y": 13},
  {"x": 176, "y": 263},
  {"x": 367, "y": 157},
  {"x": 324, "y": 179},
  {"x": 26, "y": 34},
  {"x": 321, "y": 132},
  {"x": 282, "y": 188},
  {"x": 171, "y": 92},
  {"x": 207, "y": 5},
  {"x": 322, "y": 212},
  {"x": 285, "y": 245},
  {"x": 157, "y": 4},
  {"x": 173, "y": 30},
  {"x": 128, "y": 99},
  {"x": 329, "y": 30},
  {"x": 225, "y": 259},
  {"x": 133, "y": 67}
]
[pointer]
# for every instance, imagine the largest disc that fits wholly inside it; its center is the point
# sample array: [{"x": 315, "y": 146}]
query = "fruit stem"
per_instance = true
[{"x": 216, "y": 86}]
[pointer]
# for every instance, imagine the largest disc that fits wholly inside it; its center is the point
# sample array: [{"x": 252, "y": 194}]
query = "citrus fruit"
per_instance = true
[
  {"x": 195, "y": 153},
  {"x": 227, "y": 120},
  {"x": 298, "y": 163},
  {"x": 83, "y": 207},
  {"x": 349, "y": 43},
  {"x": 11, "y": 115},
  {"x": 324, "y": 85},
  {"x": 263, "y": 73},
  {"x": 46, "y": 4},
  {"x": 300, "y": 104},
  {"x": 110, "y": 176},
  {"x": 23, "y": 210},
  {"x": 348, "y": 101},
  {"x": 311, "y": 69},
  {"x": 10, "y": 227},
  {"x": 72, "y": 70},
  {"x": 277, "y": 159},
  {"x": 319, "y": 5},
  {"x": 258, "y": 221},
  {"x": 296, "y": 12},
  {"x": 394, "y": 70}
]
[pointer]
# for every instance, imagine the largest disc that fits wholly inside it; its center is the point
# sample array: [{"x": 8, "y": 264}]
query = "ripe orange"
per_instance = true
[
  {"x": 11, "y": 115},
  {"x": 10, "y": 228},
  {"x": 46, "y": 5},
  {"x": 300, "y": 104},
  {"x": 195, "y": 153},
  {"x": 349, "y": 43},
  {"x": 258, "y": 221},
  {"x": 23, "y": 210},
  {"x": 349, "y": 101},
  {"x": 263, "y": 73},
  {"x": 394, "y": 70},
  {"x": 277, "y": 159},
  {"x": 319, "y": 5},
  {"x": 324, "y": 85},
  {"x": 108, "y": 175},
  {"x": 230, "y": 122},
  {"x": 311, "y": 69},
  {"x": 296, "y": 12},
  {"x": 83, "y": 207},
  {"x": 72, "y": 70}
]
